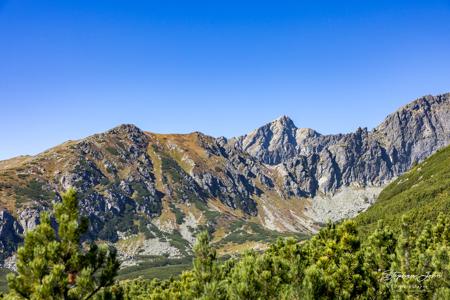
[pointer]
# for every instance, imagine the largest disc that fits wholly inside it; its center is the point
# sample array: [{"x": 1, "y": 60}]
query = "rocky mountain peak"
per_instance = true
[
  {"x": 323, "y": 166},
  {"x": 125, "y": 129},
  {"x": 276, "y": 141},
  {"x": 279, "y": 136},
  {"x": 127, "y": 133},
  {"x": 283, "y": 121}
]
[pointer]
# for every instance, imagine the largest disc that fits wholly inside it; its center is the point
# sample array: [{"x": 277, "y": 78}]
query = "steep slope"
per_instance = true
[
  {"x": 345, "y": 172},
  {"x": 422, "y": 193}
]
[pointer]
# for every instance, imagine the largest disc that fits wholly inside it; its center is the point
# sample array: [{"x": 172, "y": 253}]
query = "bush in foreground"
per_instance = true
[
  {"x": 53, "y": 264},
  {"x": 334, "y": 264}
]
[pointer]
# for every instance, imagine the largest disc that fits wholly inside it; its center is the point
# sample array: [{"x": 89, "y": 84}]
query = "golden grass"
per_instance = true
[
  {"x": 285, "y": 212},
  {"x": 233, "y": 248},
  {"x": 131, "y": 244},
  {"x": 179, "y": 146},
  {"x": 217, "y": 205}
]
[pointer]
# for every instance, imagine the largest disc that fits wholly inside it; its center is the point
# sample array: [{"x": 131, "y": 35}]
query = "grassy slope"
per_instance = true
[
  {"x": 422, "y": 193},
  {"x": 3, "y": 283},
  {"x": 156, "y": 267},
  {"x": 163, "y": 272}
]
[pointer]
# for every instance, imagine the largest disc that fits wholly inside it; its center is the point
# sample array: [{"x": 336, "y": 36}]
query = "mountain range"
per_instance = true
[{"x": 149, "y": 193}]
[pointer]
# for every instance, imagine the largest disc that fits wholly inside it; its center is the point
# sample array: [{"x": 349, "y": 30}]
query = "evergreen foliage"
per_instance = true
[
  {"x": 54, "y": 264},
  {"x": 335, "y": 264}
]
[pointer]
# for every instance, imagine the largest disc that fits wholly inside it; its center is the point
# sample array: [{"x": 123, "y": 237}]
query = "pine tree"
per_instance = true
[
  {"x": 205, "y": 269},
  {"x": 334, "y": 264},
  {"x": 54, "y": 265},
  {"x": 337, "y": 265},
  {"x": 379, "y": 253},
  {"x": 205, "y": 258}
]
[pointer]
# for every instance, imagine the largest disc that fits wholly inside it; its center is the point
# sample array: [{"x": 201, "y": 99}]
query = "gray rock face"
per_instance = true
[
  {"x": 10, "y": 234},
  {"x": 110, "y": 200},
  {"x": 275, "y": 142},
  {"x": 29, "y": 218},
  {"x": 317, "y": 164},
  {"x": 233, "y": 183},
  {"x": 415, "y": 131},
  {"x": 100, "y": 160}
]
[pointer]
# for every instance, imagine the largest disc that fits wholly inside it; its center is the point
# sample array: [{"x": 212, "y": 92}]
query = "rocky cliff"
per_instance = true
[
  {"x": 350, "y": 167},
  {"x": 151, "y": 193}
]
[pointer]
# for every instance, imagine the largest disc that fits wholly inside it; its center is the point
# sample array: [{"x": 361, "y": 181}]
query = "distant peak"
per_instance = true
[
  {"x": 283, "y": 118},
  {"x": 125, "y": 129},
  {"x": 285, "y": 121}
]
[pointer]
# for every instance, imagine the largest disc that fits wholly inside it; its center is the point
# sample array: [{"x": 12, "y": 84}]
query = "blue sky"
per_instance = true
[{"x": 72, "y": 68}]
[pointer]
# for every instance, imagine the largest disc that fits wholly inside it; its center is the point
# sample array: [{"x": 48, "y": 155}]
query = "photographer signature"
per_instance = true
[{"x": 396, "y": 276}]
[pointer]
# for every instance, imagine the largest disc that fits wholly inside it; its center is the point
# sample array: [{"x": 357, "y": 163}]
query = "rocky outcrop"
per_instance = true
[
  {"x": 322, "y": 164},
  {"x": 275, "y": 142},
  {"x": 10, "y": 234},
  {"x": 415, "y": 131}
]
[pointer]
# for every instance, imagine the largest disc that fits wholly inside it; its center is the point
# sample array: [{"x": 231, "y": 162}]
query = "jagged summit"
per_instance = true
[
  {"x": 275, "y": 141},
  {"x": 326, "y": 164},
  {"x": 424, "y": 101},
  {"x": 125, "y": 128},
  {"x": 285, "y": 121}
]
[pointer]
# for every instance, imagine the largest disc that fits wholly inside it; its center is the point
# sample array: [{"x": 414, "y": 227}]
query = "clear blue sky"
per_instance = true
[{"x": 72, "y": 68}]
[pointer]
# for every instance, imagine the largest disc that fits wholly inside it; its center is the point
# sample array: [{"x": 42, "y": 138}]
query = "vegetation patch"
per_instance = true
[
  {"x": 112, "y": 150},
  {"x": 176, "y": 240},
  {"x": 242, "y": 232},
  {"x": 3, "y": 282},
  {"x": 144, "y": 228},
  {"x": 124, "y": 223},
  {"x": 179, "y": 215},
  {"x": 209, "y": 214},
  {"x": 33, "y": 190},
  {"x": 159, "y": 267},
  {"x": 170, "y": 168},
  {"x": 140, "y": 192},
  {"x": 422, "y": 193}
]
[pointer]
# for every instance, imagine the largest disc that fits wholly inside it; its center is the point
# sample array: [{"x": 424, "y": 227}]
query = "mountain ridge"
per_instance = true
[
  {"x": 362, "y": 158},
  {"x": 155, "y": 191}
]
